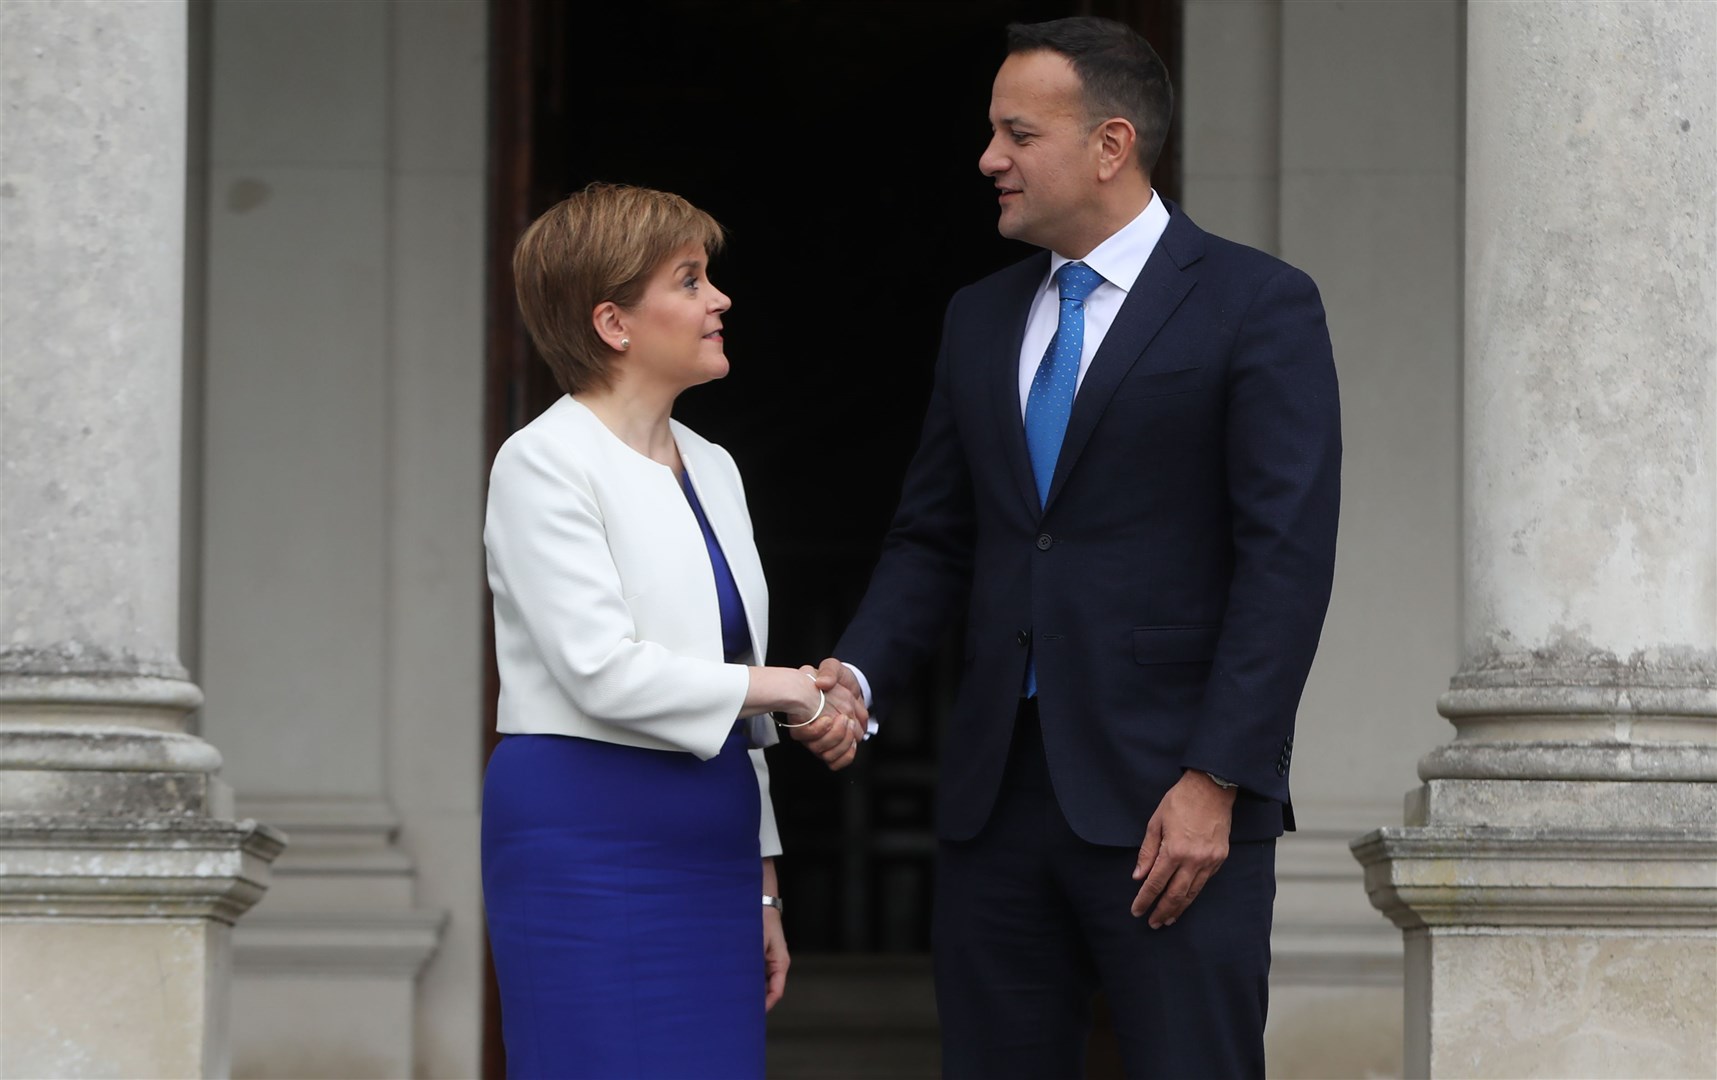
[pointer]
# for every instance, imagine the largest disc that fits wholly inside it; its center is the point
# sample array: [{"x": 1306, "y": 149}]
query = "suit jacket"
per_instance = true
[
  {"x": 607, "y": 624},
  {"x": 1174, "y": 584}
]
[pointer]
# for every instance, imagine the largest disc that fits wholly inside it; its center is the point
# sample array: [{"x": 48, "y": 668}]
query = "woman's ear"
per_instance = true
[{"x": 610, "y": 323}]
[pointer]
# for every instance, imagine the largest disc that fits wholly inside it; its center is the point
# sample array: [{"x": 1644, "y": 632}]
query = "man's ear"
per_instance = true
[
  {"x": 1117, "y": 147},
  {"x": 610, "y": 322}
]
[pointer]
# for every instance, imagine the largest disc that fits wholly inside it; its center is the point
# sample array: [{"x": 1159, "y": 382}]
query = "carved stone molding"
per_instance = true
[
  {"x": 126, "y": 868},
  {"x": 1449, "y": 877}
]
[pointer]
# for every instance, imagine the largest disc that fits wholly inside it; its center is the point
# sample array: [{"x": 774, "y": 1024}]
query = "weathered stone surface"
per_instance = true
[
  {"x": 120, "y": 875},
  {"x": 88, "y": 793},
  {"x": 1557, "y": 884},
  {"x": 92, "y": 167},
  {"x": 103, "y": 746},
  {"x": 1509, "y": 1003},
  {"x": 113, "y": 998},
  {"x": 1591, "y": 403},
  {"x": 115, "y": 941},
  {"x": 97, "y": 768},
  {"x": 54, "y": 867},
  {"x": 1567, "y": 759},
  {"x": 1624, "y": 806},
  {"x": 1452, "y": 876}
]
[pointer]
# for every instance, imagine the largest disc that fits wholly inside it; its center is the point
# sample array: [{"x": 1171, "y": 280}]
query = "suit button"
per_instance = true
[
  {"x": 1025, "y": 637},
  {"x": 1044, "y": 542},
  {"x": 1281, "y": 770}
]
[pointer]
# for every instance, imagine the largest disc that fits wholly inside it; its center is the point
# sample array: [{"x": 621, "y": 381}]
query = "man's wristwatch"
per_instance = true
[
  {"x": 774, "y": 902},
  {"x": 1220, "y": 782}
]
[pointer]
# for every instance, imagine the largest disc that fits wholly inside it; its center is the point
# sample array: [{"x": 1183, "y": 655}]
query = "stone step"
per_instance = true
[
  {"x": 855, "y": 1016},
  {"x": 908, "y": 1056}
]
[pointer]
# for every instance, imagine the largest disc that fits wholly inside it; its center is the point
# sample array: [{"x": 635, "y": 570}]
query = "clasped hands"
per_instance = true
[
  {"x": 835, "y": 733},
  {"x": 1186, "y": 840}
]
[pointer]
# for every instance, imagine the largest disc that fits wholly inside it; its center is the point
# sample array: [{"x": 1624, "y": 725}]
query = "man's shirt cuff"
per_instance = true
[{"x": 870, "y": 727}]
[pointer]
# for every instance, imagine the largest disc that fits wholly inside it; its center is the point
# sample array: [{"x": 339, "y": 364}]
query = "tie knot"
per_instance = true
[{"x": 1077, "y": 281}]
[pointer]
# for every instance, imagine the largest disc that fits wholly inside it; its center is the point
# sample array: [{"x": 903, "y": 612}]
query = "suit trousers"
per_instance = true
[{"x": 1030, "y": 920}]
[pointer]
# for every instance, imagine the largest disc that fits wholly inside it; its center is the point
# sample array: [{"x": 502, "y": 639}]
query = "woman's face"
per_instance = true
[{"x": 676, "y": 327}]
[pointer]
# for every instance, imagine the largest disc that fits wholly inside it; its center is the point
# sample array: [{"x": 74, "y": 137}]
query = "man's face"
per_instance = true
[{"x": 1042, "y": 152}]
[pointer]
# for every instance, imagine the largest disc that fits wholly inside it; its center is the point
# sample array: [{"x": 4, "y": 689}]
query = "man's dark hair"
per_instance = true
[{"x": 1120, "y": 73}]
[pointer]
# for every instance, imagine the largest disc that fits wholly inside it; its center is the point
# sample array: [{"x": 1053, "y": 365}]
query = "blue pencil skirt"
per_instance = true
[{"x": 621, "y": 888}]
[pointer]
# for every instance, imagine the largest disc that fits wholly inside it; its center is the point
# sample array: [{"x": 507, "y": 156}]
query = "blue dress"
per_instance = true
[{"x": 621, "y": 888}]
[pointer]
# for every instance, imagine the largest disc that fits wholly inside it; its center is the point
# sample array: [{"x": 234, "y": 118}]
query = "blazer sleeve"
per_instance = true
[
  {"x": 768, "y": 836},
  {"x": 549, "y": 561},
  {"x": 1284, "y": 491}
]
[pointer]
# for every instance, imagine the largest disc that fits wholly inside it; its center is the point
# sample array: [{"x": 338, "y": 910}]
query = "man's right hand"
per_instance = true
[
  {"x": 835, "y": 739},
  {"x": 838, "y": 681}
]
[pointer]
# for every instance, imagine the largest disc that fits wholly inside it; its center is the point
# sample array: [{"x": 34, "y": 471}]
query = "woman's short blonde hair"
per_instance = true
[{"x": 599, "y": 245}]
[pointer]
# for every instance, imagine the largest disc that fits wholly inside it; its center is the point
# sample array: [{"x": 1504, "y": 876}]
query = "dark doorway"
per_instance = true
[{"x": 838, "y": 142}]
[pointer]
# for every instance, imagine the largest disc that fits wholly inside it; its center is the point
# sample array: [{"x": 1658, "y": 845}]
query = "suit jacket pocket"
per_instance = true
[
  {"x": 1161, "y": 383},
  {"x": 1175, "y": 644}
]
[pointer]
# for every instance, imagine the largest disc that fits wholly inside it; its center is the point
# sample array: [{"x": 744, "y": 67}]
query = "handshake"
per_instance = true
[{"x": 835, "y": 731}]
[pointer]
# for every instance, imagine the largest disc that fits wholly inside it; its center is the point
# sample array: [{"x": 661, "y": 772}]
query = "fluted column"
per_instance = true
[
  {"x": 1557, "y": 881},
  {"x": 120, "y": 871}
]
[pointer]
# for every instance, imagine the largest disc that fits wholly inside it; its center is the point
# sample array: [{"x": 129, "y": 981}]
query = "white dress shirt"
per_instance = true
[{"x": 1119, "y": 261}]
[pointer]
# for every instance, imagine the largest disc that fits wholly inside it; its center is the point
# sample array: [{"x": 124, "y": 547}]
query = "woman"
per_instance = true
[{"x": 627, "y": 831}]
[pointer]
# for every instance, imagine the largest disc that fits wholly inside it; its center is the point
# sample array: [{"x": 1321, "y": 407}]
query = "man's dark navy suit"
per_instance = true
[{"x": 1171, "y": 589}]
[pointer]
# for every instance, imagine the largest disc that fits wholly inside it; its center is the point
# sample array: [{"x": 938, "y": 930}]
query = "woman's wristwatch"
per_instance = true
[{"x": 774, "y": 902}]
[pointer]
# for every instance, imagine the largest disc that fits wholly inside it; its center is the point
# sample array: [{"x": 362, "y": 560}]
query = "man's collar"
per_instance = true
[{"x": 1121, "y": 257}]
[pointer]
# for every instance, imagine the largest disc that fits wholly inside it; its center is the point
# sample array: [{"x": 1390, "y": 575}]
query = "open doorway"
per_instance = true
[{"x": 838, "y": 142}]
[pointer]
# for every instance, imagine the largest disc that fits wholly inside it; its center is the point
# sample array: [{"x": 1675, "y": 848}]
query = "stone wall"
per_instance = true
[{"x": 339, "y": 637}]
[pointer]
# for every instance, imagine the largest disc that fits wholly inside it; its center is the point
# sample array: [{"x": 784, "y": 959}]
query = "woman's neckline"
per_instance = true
[{"x": 633, "y": 450}]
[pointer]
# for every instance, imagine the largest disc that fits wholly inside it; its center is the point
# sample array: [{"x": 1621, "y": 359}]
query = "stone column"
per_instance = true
[
  {"x": 1557, "y": 879},
  {"x": 121, "y": 870}
]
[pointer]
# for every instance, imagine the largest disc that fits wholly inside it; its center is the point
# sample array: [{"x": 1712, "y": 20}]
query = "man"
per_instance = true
[{"x": 1128, "y": 478}]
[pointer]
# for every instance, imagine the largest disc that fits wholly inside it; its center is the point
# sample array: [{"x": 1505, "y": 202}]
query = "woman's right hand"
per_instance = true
[
  {"x": 834, "y": 736},
  {"x": 831, "y": 735}
]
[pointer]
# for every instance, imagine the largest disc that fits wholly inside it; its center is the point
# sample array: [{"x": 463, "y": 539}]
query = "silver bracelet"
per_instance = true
[
  {"x": 822, "y": 703},
  {"x": 774, "y": 902}
]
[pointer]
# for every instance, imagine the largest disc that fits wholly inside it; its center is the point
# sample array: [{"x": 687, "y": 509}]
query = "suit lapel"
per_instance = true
[
  {"x": 1154, "y": 297},
  {"x": 1002, "y": 365}
]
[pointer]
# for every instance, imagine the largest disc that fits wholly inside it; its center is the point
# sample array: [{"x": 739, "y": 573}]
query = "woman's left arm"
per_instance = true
[{"x": 775, "y": 959}]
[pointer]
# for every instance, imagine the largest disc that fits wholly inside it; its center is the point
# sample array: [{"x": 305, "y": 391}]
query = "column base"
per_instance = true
[
  {"x": 1541, "y": 951},
  {"x": 108, "y": 770},
  {"x": 122, "y": 872},
  {"x": 115, "y": 940}
]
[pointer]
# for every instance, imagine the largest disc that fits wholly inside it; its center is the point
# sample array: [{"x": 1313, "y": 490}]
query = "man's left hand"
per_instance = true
[{"x": 1185, "y": 842}]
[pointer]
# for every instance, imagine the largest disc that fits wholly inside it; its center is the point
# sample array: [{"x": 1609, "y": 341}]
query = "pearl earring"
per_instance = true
[{"x": 625, "y": 343}]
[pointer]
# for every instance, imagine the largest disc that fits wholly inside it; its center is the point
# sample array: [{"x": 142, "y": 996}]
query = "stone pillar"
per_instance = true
[
  {"x": 1557, "y": 878},
  {"x": 121, "y": 870}
]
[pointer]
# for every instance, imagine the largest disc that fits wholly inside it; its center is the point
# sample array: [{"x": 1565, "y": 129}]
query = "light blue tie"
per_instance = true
[{"x": 1050, "y": 401}]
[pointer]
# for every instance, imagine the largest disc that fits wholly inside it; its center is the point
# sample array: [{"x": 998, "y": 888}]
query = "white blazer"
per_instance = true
[{"x": 607, "y": 624}]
